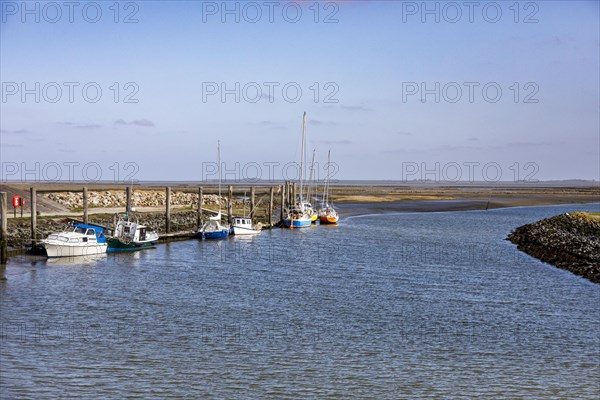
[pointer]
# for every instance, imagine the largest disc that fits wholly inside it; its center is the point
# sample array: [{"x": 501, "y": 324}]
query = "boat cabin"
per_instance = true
[
  {"x": 80, "y": 233},
  {"x": 242, "y": 221}
]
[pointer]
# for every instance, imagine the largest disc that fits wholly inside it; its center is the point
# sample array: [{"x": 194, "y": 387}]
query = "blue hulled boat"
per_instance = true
[
  {"x": 300, "y": 216},
  {"x": 213, "y": 229},
  {"x": 302, "y": 222}
]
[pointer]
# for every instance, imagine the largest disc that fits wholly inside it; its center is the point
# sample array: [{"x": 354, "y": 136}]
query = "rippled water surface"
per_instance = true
[{"x": 385, "y": 306}]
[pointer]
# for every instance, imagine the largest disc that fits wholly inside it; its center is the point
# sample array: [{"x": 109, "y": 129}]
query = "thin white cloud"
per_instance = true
[
  {"x": 145, "y": 123},
  {"x": 81, "y": 125},
  {"x": 15, "y": 132},
  {"x": 318, "y": 122},
  {"x": 88, "y": 126}
]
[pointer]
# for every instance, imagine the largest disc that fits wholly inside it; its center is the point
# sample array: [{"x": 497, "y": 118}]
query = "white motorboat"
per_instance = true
[{"x": 76, "y": 239}]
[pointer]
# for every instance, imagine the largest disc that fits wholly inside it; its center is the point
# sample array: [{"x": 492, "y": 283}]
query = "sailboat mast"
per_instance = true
[
  {"x": 311, "y": 176},
  {"x": 324, "y": 198},
  {"x": 219, "y": 167},
  {"x": 302, "y": 156},
  {"x": 327, "y": 182}
]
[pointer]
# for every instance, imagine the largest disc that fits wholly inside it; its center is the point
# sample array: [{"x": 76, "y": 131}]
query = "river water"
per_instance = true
[{"x": 406, "y": 305}]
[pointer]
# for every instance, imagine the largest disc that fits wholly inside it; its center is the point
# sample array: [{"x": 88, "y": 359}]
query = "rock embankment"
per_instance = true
[
  {"x": 568, "y": 241},
  {"x": 144, "y": 198}
]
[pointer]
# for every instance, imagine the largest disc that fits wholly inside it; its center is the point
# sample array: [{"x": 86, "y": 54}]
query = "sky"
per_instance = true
[{"x": 444, "y": 91}]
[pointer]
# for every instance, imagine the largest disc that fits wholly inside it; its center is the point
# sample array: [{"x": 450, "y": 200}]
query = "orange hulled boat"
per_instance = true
[{"x": 327, "y": 214}]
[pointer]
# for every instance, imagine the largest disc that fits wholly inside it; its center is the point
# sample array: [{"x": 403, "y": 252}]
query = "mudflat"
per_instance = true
[{"x": 357, "y": 198}]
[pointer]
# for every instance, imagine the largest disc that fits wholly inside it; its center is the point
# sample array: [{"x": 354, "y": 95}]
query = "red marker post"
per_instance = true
[{"x": 16, "y": 203}]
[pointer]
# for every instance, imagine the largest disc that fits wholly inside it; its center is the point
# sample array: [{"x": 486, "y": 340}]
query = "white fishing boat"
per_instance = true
[
  {"x": 76, "y": 239},
  {"x": 131, "y": 235},
  {"x": 244, "y": 226}
]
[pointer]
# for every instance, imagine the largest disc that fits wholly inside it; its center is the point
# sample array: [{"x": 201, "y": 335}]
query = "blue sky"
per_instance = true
[{"x": 365, "y": 66}]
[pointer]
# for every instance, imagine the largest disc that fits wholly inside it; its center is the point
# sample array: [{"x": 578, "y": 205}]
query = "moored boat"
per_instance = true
[
  {"x": 327, "y": 214},
  {"x": 244, "y": 226},
  {"x": 213, "y": 228},
  {"x": 312, "y": 213},
  {"x": 299, "y": 216},
  {"x": 77, "y": 239},
  {"x": 130, "y": 235}
]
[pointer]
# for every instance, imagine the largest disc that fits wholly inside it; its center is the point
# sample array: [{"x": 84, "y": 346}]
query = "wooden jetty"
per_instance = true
[{"x": 287, "y": 193}]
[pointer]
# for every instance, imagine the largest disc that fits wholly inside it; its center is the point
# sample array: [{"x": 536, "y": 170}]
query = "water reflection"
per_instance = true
[{"x": 89, "y": 260}]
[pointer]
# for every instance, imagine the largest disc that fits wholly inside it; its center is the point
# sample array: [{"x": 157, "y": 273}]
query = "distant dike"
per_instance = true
[{"x": 569, "y": 241}]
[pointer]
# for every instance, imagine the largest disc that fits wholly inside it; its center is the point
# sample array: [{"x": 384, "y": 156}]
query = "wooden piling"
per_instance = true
[
  {"x": 229, "y": 205},
  {"x": 85, "y": 205},
  {"x": 272, "y": 194},
  {"x": 252, "y": 204},
  {"x": 33, "y": 203},
  {"x": 168, "y": 210},
  {"x": 295, "y": 197},
  {"x": 200, "y": 202},
  {"x": 4, "y": 228},
  {"x": 128, "y": 200}
]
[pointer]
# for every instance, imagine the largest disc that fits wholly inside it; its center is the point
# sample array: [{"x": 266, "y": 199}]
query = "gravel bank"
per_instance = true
[{"x": 568, "y": 241}]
